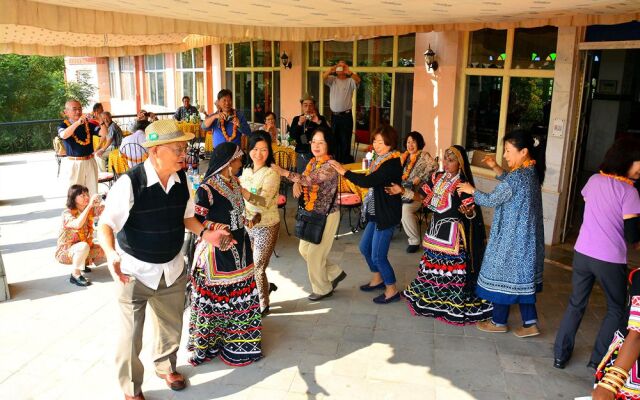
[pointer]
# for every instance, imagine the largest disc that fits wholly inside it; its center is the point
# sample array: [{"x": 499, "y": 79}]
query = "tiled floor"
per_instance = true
[{"x": 58, "y": 339}]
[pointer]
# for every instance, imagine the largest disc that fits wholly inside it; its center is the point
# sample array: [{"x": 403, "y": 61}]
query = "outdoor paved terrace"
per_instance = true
[{"x": 58, "y": 340}]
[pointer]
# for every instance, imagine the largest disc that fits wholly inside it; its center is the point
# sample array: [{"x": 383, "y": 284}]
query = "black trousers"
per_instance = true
[
  {"x": 342, "y": 126},
  {"x": 613, "y": 280}
]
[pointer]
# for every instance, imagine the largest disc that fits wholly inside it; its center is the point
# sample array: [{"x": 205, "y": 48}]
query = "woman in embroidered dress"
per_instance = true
[
  {"x": 453, "y": 247},
  {"x": 260, "y": 185},
  {"x": 417, "y": 167},
  {"x": 75, "y": 241},
  {"x": 382, "y": 211},
  {"x": 612, "y": 206},
  {"x": 316, "y": 190},
  {"x": 617, "y": 376},
  {"x": 225, "y": 309},
  {"x": 511, "y": 270}
]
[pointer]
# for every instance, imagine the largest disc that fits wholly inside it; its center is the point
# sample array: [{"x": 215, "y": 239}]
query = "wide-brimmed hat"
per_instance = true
[
  {"x": 164, "y": 131},
  {"x": 307, "y": 96}
]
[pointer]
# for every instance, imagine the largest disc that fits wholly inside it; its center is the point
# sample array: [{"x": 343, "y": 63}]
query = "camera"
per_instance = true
[
  {"x": 339, "y": 69},
  {"x": 103, "y": 196},
  {"x": 309, "y": 117}
]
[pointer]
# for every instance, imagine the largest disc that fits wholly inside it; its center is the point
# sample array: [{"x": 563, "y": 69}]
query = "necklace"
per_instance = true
[
  {"x": 526, "y": 164},
  {"x": 84, "y": 142},
  {"x": 310, "y": 196},
  {"x": 618, "y": 178},
  {"x": 223, "y": 128},
  {"x": 229, "y": 188},
  {"x": 409, "y": 167}
]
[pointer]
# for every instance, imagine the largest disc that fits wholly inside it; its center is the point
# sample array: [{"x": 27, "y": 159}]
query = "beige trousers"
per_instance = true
[
  {"x": 81, "y": 172},
  {"x": 410, "y": 221},
  {"x": 321, "y": 270},
  {"x": 167, "y": 304}
]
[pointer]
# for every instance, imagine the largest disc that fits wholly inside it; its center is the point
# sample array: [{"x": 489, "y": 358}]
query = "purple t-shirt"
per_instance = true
[{"x": 602, "y": 232}]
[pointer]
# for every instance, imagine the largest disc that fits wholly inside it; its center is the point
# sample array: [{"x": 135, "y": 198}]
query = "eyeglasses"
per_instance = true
[
  {"x": 177, "y": 151},
  {"x": 318, "y": 142}
]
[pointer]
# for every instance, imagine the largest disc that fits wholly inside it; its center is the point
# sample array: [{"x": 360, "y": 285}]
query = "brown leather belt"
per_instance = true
[
  {"x": 89, "y": 157},
  {"x": 342, "y": 113}
]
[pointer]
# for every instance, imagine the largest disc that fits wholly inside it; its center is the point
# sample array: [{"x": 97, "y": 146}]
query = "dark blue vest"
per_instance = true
[{"x": 154, "y": 231}]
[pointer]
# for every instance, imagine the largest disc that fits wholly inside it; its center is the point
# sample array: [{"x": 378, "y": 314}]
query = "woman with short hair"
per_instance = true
[{"x": 75, "y": 241}]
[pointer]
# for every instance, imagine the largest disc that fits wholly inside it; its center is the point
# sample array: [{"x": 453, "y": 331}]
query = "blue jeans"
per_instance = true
[
  {"x": 374, "y": 246},
  {"x": 527, "y": 311}
]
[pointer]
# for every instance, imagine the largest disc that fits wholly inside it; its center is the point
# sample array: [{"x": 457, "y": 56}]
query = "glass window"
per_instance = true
[
  {"x": 276, "y": 94},
  {"x": 373, "y": 101},
  {"x": 403, "y": 104},
  {"x": 229, "y": 55},
  {"x": 127, "y": 78},
  {"x": 276, "y": 54},
  {"x": 375, "y": 52},
  {"x": 313, "y": 84},
  {"x": 535, "y": 48},
  {"x": 114, "y": 83},
  {"x": 262, "y": 95},
  {"x": 190, "y": 76},
  {"x": 487, "y": 48},
  {"x": 242, "y": 101},
  {"x": 262, "y": 54},
  {"x": 483, "y": 116},
  {"x": 154, "y": 74},
  {"x": 228, "y": 81},
  {"x": 406, "y": 50},
  {"x": 336, "y": 51},
  {"x": 530, "y": 105},
  {"x": 314, "y": 54},
  {"x": 242, "y": 54}
]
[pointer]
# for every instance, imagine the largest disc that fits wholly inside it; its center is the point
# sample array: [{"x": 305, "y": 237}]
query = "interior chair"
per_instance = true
[{"x": 350, "y": 202}]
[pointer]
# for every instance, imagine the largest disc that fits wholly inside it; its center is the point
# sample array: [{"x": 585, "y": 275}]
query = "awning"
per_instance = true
[{"x": 134, "y": 27}]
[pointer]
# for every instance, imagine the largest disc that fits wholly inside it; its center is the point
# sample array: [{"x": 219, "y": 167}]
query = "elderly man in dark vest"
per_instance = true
[{"x": 147, "y": 211}]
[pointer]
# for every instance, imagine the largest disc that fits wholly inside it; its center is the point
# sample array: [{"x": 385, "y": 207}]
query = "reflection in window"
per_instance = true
[
  {"x": 262, "y": 96},
  {"x": 313, "y": 84},
  {"x": 262, "y": 54},
  {"x": 403, "y": 104},
  {"x": 375, "y": 52},
  {"x": 535, "y": 48},
  {"x": 229, "y": 55},
  {"x": 530, "y": 105},
  {"x": 276, "y": 93},
  {"x": 406, "y": 50},
  {"x": 242, "y": 54},
  {"x": 487, "y": 48},
  {"x": 242, "y": 101},
  {"x": 314, "y": 54},
  {"x": 483, "y": 115},
  {"x": 373, "y": 101},
  {"x": 336, "y": 51}
]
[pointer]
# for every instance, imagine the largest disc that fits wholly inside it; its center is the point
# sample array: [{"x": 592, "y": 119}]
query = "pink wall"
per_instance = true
[
  {"x": 434, "y": 93},
  {"x": 291, "y": 81}
]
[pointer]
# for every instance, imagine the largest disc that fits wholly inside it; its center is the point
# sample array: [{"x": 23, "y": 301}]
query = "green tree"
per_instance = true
[{"x": 33, "y": 87}]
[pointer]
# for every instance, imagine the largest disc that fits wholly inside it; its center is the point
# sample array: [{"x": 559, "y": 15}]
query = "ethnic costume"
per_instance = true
[
  {"x": 225, "y": 316},
  {"x": 453, "y": 250}
]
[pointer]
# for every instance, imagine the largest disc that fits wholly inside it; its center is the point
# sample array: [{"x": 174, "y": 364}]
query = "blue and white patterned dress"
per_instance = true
[{"x": 512, "y": 267}]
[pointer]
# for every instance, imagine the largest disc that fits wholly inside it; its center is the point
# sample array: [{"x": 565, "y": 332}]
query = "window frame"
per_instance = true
[
  {"x": 276, "y": 67},
  {"x": 153, "y": 73},
  {"x": 179, "y": 70},
  {"x": 506, "y": 73},
  {"x": 132, "y": 73},
  {"x": 114, "y": 78}
]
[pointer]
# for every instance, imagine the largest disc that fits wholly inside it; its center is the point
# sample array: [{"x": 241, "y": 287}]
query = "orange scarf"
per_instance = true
[
  {"x": 84, "y": 142},
  {"x": 618, "y": 178},
  {"x": 310, "y": 196},
  {"x": 413, "y": 158}
]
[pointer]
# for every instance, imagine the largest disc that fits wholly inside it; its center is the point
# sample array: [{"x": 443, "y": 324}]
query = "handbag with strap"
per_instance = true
[{"x": 310, "y": 224}]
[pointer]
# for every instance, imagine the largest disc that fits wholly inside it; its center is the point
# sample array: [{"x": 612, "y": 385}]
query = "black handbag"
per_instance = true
[{"x": 310, "y": 224}]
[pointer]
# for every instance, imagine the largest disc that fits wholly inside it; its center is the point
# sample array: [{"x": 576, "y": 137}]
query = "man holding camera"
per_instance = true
[
  {"x": 342, "y": 82},
  {"x": 110, "y": 138},
  {"x": 186, "y": 110},
  {"x": 302, "y": 129}
]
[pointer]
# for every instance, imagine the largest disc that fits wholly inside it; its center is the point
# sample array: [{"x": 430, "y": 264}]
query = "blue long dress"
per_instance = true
[{"x": 512, "y": 267}]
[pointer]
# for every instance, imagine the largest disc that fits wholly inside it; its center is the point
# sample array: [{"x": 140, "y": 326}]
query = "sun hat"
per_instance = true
[
  {"x": 307, "y": 96},
  {"x": 164, "y": 131}
]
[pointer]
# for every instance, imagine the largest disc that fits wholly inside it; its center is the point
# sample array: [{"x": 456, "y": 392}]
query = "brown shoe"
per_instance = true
[
  {"x": 523, "y": 332},
  {"x": 139, "y": 396},
  {"x": 489, "y": 326},
  {"x": 174, "y": 380}
]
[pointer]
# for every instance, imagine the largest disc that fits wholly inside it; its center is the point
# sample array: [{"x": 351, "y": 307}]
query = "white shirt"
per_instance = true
[
  {"x": 340, "y": 93},
  {"x": 115, "y": 214}
]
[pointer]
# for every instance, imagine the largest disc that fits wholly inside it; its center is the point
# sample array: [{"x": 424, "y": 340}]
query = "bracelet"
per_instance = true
[
  {"x": 407, "y": 194},
  {"x": 613, "y": 380},
  {"x": 625, "y": 374},
  {"x": 608, "y": 387},
  {"x": 471, "y": 217},
  {"x": 202, "y": 232}
]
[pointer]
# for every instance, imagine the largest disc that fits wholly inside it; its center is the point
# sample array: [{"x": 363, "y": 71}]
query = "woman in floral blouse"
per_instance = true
[
  {"x": 75, "y": 241},
  {"x": 316, "y": 188},
  {"x": 417, "y": 167}
]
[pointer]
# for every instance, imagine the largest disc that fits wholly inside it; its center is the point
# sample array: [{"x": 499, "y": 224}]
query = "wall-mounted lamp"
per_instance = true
[
  {"x": 285, "y": 60},
  {"x": 430, "y": 59}
]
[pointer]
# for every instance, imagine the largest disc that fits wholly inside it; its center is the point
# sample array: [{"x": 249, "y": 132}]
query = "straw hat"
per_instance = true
[
  {"x": 307, "y": 96},
  {"x": 164, "y": 131}
]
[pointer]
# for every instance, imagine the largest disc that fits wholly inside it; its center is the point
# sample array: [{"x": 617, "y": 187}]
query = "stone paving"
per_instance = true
[{"x": 58, "y": 339}]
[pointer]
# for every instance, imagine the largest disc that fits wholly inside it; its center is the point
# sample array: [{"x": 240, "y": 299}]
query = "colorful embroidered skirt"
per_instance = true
[
  {"x": 440, "y": 290},
  {"x": 225, "y": 321},
  {"x": 631, "y": 388}
]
